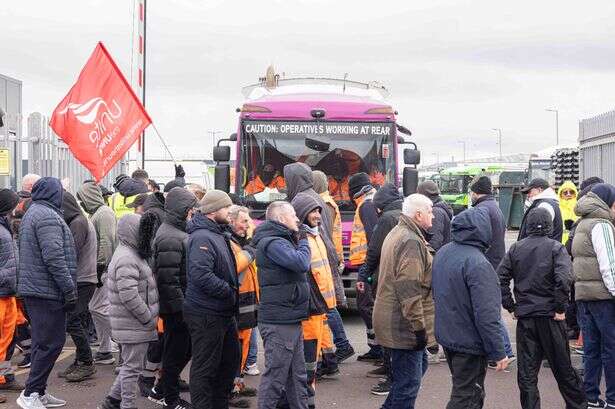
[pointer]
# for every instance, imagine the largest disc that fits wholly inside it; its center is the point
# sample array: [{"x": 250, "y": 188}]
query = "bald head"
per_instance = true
[
  {"x": 284, "y": 213},
  {"x": 28, "y": 181}
]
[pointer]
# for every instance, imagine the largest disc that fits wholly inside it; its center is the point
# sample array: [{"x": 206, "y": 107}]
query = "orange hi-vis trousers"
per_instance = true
[
  {"x": 312, "y": 345},
  {"x": 8, "y": 322}
]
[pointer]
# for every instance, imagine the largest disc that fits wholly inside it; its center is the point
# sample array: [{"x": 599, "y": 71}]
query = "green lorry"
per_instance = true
[{"x": 455, "y": 184}]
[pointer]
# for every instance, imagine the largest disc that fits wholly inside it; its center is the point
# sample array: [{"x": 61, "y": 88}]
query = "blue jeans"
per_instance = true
[
  {"x": 596, "y": 320},
  {"x": 407, "y": 370},
  {"x": 337, "y": 328},
  {"x": 253, "y": 352},
  {"x": 507, "y": 346}
]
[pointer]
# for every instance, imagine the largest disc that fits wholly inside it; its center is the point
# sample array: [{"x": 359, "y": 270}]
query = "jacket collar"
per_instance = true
[{"x": 412, "y": 226}]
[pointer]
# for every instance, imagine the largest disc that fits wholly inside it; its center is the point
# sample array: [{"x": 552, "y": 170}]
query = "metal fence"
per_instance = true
[
  {"x": 43, "y": 153},
  {"x": 597, "y": 147}
]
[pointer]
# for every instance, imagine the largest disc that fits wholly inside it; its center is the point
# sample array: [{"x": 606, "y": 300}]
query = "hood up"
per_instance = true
[
  {"x": 385, "y": 196},
  {"x": 539, "y": 222},
  {"x": 298, "y": 178},
  {"x": 154, "y": 201},
  {"x": 91, "y": 197},
  {"x": 473, "y": 228},
  {"x": 48, "y": 190},
  {"x": 70, "y": 207},
  {"x": 567, "y": 185},
  {"x": 592, "y": 207},
  {"x": 178, "y": 202},
  {"x": 128, "y": 230},
  {"x": 321, "y": 184},
  {"x": 304, "y": 204}
]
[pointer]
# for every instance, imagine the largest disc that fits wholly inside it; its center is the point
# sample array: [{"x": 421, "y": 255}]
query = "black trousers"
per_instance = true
[
  {"x": 48, "y": 321},
  {"x": 365, "y": 305},
  {"x": 76, "y": 322},
  {"x": 539, "y": 338},
  {"x": 215, "y": 359},
  {"x": 468, "y": 373},
  {"x": 175, "y": 356}
]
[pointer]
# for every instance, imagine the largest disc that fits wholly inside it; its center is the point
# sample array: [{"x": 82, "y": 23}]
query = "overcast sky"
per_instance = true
[{"x": 455, "y": 68}]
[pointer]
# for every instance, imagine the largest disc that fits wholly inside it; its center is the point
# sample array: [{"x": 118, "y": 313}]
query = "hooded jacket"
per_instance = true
[
  {"x": 152, "y": 218},
  {"x": 595, "y": 226},
  {"x": 47, "y": 257},
  {"x": 299, "y": 178},
  {"x": 104, "y": 221},
  {"x": 566, "y": 207},
  {"x": 440, "y": 232},
  {"x": 546, "y": 199},
  {"x": 8, "y": 260},
  {"x": 170, "y": 251},
  {"x": 403, "y": 310},
  {"x": 211, "y": 286},
  {"x": 466, "y": 290},
  {"x": 497, "y": 247},
  {"x": 126, "y": 189},
  {"x": 389, "y": 202},
  {"x": 133, "y": 296},
  {"x": 541, "y": 270},
  {"x": 282, "y": 267},
  {"x": 84, "y": 236}
]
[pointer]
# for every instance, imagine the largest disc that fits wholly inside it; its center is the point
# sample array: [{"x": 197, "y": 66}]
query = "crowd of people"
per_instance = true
[{"x": 186, "y": 276}]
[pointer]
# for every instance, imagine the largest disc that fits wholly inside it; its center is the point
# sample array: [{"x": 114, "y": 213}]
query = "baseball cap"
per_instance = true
[
  {"x": 536, "y": 183},
  {"x": 139, "y": 201}
]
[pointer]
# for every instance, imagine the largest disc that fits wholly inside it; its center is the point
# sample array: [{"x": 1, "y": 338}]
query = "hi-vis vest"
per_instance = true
[
  {"x": 248, "y": 287},
  {"x": 337, "y": 226},
  {"x": 321, "y": 271},
  {"x": 118, "y": 203},
  {"x": 358, "y": 240}
]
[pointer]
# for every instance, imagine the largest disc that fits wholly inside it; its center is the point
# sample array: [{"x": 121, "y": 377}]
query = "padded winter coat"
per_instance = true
[
  {"x": 133, "y": 296},
  {"x": 8, "y": 260},
  {"x": 47, "y": 256}
]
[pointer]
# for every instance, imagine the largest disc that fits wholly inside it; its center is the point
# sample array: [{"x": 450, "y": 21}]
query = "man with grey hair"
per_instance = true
[
  {"x": 404, "y": 311},
  {"x": 28, "y": 181},
  {"x": 283, "y": 259}
]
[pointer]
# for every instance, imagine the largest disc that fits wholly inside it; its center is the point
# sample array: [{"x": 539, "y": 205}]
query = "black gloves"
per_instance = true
[
  {"x": 301, "y": 234},
  {"x": 433, "y": 349},
  {"x": 421, "y": 339},
  {"x": 100, "y": 270},
  {"x": 70, "y": 301},
  {"x": 179, "y": 171}
]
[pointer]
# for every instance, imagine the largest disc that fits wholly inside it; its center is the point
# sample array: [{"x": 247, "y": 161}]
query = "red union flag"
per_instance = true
[{"x": 101, "y": 117}]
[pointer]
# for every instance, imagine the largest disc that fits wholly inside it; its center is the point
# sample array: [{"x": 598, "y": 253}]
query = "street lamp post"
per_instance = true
[
  {"x": 556, "y": 123},
  {"x": 499, "y": 131},
  {"x": 464, "y": 151}
]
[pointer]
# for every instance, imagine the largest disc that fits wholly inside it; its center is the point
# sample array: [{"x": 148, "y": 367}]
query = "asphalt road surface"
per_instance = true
[{"x": 351, "y": 390}]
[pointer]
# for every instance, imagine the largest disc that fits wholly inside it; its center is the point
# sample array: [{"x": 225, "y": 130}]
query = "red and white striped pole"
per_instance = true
[{"x": 141, "y": 59}]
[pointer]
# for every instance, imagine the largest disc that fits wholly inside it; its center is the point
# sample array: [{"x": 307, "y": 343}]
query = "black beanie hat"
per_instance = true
[
  {"x": 357, "y": 182},
  {"x": 605, "y": 192},
  {"x": 482, "y": 186},
  {"x": 8, "y": 201},
  {"x": 590, "y": 181}
]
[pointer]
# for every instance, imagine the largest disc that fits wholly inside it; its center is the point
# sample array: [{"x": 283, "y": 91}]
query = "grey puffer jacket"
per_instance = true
[
  {"x": 133, "y": 295},
  {"x": 8, "y": 262},
  {"x": 47, "y": 255}
]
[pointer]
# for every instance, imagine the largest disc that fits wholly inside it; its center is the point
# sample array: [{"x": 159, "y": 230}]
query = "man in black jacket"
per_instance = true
[
  {"x": 283, "y": 262},
  {"x": 440, "y": 232},
  {"x": 540, "y": 194},
  {"x": 388, "y": 203},
  {"x": 541, "y": 270},
  {"x": 170, "y": 271},
  {"x": 481, "y": 193},
  {"x": 211, "y": 303}
]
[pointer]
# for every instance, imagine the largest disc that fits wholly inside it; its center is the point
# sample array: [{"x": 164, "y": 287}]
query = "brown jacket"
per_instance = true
[{"x": 404, "y": 303}]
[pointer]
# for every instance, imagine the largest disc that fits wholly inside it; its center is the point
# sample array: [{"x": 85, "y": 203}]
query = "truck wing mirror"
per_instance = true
[
  {"x": 222, "y": 153},
  {"x": 412, "y": 156},
  {"x": 222, "y": 178},
  {"x": 410, "y": 181}
]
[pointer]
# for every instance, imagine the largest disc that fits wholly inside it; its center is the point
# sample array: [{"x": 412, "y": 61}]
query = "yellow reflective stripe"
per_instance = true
[
  {"x": 357, "y": 249},
  {"x": 329, "y": 294},
  {"x": 318, "y": 264},
  {"x": 357, "y": 228},
  {"x": 247, "y": 308}
]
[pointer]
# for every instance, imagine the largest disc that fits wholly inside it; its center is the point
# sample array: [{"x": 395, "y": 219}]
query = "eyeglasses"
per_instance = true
[{"x": 568, "y": 192}]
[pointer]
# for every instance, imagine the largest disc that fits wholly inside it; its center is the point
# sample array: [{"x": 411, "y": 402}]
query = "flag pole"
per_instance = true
[
  {"x": 144, "y": 71},
  {"x": 163, "y": 143}
]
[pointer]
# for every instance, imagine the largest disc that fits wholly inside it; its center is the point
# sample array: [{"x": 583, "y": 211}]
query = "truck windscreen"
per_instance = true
[{"x": 339, "y": 149}]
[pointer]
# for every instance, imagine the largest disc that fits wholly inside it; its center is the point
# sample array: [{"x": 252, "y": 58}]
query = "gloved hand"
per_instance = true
[
  {"x": 70, "y": 301},
  {"x": 301, "y": 234},
  {"x": 100, "y": 270},
  {"x": 421, "y": 339},
  {"x": 179, "y": 171},
  {"x": 434, "y": 349}
]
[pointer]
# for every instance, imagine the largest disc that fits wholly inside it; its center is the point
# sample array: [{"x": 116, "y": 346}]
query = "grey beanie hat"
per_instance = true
[{"x": 214, "y": 200}]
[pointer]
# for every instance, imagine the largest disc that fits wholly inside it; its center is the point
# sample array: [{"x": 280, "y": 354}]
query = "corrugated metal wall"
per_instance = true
[{"x": 597, "y": 147}]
